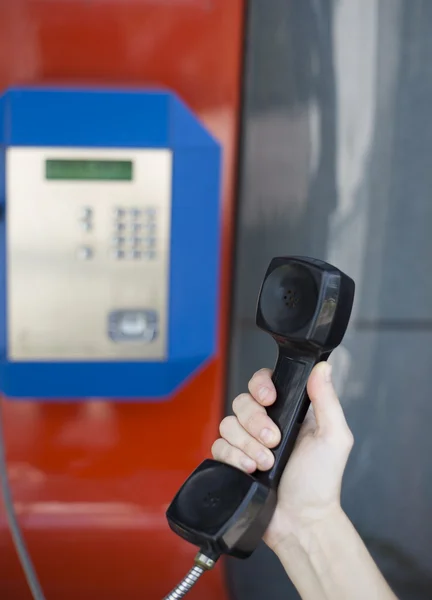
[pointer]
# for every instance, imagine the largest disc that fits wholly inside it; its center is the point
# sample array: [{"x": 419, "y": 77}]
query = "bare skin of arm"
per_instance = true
[{"x": 313, "y": 538}]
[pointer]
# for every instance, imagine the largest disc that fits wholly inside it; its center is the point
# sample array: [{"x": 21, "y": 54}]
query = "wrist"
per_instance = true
[
  {"x": 326, "y": 558},
  {"x": 296, "y": 541},
  {"x": 300, "y": 533}
]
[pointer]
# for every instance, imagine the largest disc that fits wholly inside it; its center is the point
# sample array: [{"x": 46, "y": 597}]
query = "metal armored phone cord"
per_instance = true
[
  {"x": 16, "y": 533},
  {"x": 202, "y": 564}
]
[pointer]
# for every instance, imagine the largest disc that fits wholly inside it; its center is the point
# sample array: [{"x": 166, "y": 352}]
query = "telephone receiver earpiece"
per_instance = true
[{"x": 305, "y": 305}]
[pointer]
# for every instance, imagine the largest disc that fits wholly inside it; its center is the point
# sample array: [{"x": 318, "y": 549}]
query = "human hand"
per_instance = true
[{"x": 310, "y": 486}]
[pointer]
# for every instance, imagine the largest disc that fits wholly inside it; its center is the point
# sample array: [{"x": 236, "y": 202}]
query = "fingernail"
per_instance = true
[
  {"x": 267, "y": 435},
  {"x": 264, "y": 460},
  {"x": 262, "y": 393},
  {"x": 248, "y": 464},
  {"x": 328, "y": 373}
]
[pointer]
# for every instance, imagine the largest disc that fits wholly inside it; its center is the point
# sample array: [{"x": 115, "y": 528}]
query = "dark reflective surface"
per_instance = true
[{"x": 337, "y": 164}]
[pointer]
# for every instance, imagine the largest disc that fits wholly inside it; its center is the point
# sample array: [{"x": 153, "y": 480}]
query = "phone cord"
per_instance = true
[
  {"x": 202, "y": 564},
  {"x": 16, "y": 533}
]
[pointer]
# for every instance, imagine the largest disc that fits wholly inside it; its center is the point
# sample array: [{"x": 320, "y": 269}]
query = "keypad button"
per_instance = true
[
  {"x": 150, "y": 212},
  {"x": 118, "y": 241},
  {"x": 119, "y": 213},
  {"x": 136, "y": 227},
  {"x": 84, "y": 253},
  {"x": 136, "y": 254},
  {"x": 86, "y": 225},
  {"x": 119, "y": 226},
  {"x": 150, "y": 228},
  {"x": 135, "y": 213},
  {"x": 118, "y": 254},
  {"x": 149, "y": 243},
  {"x": 85, "y": 213},
  {"x": 135, "y": 242},
  {"x": 150, "y": 254}
]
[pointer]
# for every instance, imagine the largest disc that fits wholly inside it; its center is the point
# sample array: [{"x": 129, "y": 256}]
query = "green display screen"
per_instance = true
[{"x": 87, "y": 170}]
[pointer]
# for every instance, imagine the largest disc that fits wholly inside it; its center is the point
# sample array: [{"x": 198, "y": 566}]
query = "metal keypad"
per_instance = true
[
  {"x": 134, "y": 231},
  {"x": 95, "y": 236}
]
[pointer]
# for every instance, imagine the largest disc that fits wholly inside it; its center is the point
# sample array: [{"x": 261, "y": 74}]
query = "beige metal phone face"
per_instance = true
[{"x": 88, "y": 261}]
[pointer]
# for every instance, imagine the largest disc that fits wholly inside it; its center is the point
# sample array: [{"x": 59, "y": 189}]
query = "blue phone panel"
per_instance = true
[{"x": 127, "y": 119}]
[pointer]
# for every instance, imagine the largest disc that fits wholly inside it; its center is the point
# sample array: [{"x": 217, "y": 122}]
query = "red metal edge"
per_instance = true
[{"x": 91, "y": 481}]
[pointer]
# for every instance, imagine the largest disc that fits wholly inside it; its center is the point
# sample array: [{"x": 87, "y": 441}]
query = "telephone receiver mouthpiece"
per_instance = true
[{"x": 305, "y": 305}]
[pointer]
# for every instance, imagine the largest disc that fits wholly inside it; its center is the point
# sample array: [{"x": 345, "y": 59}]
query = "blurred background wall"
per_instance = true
[{"x": 337, "y": 163}]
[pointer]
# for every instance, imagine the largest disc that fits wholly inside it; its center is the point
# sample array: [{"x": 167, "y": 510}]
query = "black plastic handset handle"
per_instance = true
[
  {"x": 305, "y": 305},
  {"x": 289, "y": 409}
]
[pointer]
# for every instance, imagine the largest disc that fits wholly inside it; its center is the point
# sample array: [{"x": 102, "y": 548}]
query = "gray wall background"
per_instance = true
[{"x": 337, "y": 163}]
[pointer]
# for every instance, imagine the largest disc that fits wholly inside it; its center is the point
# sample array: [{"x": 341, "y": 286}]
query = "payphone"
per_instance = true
[{"x": 110, "y": 243}]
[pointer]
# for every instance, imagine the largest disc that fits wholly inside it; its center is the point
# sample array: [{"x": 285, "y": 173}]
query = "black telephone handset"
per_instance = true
[{"x": 305, "y": 305}]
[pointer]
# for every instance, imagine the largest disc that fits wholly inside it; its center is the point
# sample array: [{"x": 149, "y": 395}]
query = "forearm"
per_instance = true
[{"x": 329, "y": 561}]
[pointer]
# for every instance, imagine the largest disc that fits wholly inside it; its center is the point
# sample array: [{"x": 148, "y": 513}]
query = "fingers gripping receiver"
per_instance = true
[{"x": 305, "y": 305}]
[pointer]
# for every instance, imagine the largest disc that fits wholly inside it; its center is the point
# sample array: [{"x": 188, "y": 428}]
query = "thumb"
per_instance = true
[{"x": 327, "y": 408}]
